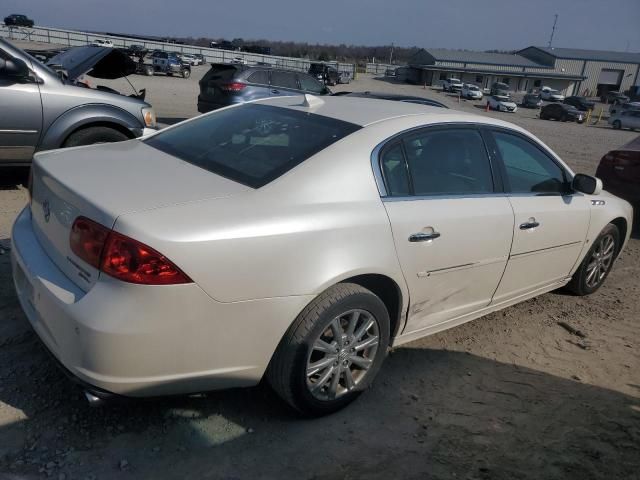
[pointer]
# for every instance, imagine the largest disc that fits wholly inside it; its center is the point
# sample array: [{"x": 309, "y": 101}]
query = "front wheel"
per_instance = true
[
  {"x": 333, "y": 350},
  {"x": 598, "y": 262},
  {"x": 186, "y": 73},
  {"x": 93, "y": 135}
]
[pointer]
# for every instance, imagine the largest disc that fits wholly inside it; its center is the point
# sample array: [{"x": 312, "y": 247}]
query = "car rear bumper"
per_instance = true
[{"x": 137, "y": 340}]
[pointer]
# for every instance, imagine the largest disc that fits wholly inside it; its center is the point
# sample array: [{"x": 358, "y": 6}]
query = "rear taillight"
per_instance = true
[
  {"x": 122, "y": 257},
  {"x": 232, "y": 87}
]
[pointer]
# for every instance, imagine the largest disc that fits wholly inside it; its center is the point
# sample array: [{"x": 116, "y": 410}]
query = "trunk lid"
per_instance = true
[{"x": 102, "y": 182}]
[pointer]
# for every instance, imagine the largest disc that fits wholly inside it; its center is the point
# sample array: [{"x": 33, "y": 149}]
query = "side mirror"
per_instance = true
[
  {"x": 586, "y": 184},
  {"x": 14, "y": 68}
]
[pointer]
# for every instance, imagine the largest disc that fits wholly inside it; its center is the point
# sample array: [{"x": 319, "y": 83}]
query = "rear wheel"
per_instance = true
[
  {"x": 617, "y": 124},
  {"x": 92, "y": 135},
  {"x": 598, "y": 262},
  {"x": 332, "y": 352},
  {"x": 186, "y": 73},
  {"x": 148, "y": 71}
]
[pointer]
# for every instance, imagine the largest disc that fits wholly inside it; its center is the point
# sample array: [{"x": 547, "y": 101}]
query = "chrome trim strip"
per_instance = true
[
  {"x": 464, "y": 266},
  {"x": 556, "y": 247},
  {"x": 18, "y": 131}
]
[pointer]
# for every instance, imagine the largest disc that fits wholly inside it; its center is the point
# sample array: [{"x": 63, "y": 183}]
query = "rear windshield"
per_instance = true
[{"x": 251, "y": 144}]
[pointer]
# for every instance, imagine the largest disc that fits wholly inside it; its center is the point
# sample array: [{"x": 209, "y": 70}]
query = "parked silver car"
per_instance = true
[{"x": 46, "y": 106}]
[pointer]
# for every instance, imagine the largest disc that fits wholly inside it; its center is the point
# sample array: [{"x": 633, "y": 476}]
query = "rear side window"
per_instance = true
[
  {"x": 284, "y": 80},
  {"x": 251, "y": 144},
  {"x": 394, "y": 170},
  {"x": 261, "y": 77},
  {"x": 448, "y": 161}
]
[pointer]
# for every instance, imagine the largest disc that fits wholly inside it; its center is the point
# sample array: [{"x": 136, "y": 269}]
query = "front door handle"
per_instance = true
[
  {"x": 423, "y": 237},
  {"x": 529, "y": 225}
]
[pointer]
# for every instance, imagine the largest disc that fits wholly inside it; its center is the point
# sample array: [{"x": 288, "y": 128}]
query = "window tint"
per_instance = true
[
  {"x": 394, "y": 170},
  {"x": 529, "y": 169},
  {"x": 260, "y": 77},
  {"x": 309, "y": 84},
  {"x": 284, "y": 80},
  {"x": 448, "y": 161},
  {"x": 251, "y": 144}
]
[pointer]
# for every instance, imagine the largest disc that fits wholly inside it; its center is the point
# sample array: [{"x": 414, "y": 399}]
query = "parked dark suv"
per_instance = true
[
  {"x": 325, "y": 73},
  {"x": 226, "y": 84},
  {"x": 17, "y": 20}
]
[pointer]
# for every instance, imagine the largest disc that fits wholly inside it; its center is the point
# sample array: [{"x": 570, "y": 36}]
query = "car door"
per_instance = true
[
  {"x": 20, "y": 117},
  {"x": 551, "y": 220},
  {"x": 451, "y": 225},
  {"x": 283, "y": 83}
]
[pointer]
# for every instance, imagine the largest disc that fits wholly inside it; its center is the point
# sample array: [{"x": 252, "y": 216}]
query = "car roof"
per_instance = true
[{"x": 367, "y": 111}]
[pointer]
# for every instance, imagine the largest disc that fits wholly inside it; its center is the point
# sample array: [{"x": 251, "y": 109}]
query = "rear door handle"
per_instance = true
[
  {"x": 529, "y": 225},
  {"x": 423, "y": 237}
]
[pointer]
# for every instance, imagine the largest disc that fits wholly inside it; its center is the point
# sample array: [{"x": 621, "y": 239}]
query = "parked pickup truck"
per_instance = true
[
  {"x": 170, "y": 64},
  {"x": 452, "y": 85}
]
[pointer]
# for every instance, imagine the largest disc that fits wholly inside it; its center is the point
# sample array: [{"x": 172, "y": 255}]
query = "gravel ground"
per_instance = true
[{"x": 510, "y": 395}]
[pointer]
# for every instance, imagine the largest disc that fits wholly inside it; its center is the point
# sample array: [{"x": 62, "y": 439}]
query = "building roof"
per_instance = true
[
  {"x": 594, "y": 55},
  {"x": 489, "y": 58}
]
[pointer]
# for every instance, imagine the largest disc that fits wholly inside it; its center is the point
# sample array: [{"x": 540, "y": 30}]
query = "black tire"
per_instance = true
[
  {"x": 617, "y": 124},
  {"x": 92, "y": 135},
  {"x": 186, "y": 73},
  {"x": 579, "y": 283},
  {"x": 148, "y": 71},
  {"x": 564, "y": 118},
  {"x": 287, "y": 371}
]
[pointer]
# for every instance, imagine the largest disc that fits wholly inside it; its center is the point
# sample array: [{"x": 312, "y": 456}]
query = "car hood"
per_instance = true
[{"x": 98, "y": 62}]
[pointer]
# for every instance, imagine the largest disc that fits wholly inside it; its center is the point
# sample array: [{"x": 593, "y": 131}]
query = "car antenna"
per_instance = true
[{"x": 311, "y": 101}]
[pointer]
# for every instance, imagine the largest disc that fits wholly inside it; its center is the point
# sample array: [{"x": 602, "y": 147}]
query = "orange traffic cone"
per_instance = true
[{"x": 488, "y": 107}]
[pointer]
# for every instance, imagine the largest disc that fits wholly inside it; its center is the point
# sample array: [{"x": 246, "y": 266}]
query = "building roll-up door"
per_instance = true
[{"x": 610, "y": 77}]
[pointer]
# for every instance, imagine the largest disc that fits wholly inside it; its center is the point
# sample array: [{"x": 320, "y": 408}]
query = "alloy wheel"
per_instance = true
[
  {"x": 342, "y": 355},
  {"x": 600, "y": 261}
]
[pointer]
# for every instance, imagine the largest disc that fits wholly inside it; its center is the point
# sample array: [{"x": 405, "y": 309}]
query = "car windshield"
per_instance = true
[
  {"x": 251, "y": 144},
  {"x": 473, "y": 87}
]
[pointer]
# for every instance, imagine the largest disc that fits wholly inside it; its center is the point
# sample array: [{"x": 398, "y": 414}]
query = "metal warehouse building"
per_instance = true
[{"x": 571, "y": 71}]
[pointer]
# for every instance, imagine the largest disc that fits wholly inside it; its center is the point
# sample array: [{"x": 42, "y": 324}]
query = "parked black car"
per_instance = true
[
  {"x": 18, "y": 20},
  {"x": 499, "y": 88},
  {"x": 325, "y": 73},
  {"x": 581, "y": 103},
  {"x": 227, "y": 84},
  {"x": 614, "y": 97},
  {"x": 562, "y": 112},
  {"x": 393, "y": 96},
  {"x": 531, "y": 100}
]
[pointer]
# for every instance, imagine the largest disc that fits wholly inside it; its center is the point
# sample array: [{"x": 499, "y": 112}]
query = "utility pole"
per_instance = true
[
  {"x": 553, "y": 30},
  {"x": 391, "y": 55}
]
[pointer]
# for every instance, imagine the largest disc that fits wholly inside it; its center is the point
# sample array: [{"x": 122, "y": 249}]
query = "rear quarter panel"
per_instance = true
[{"x": 318, "y": 224}]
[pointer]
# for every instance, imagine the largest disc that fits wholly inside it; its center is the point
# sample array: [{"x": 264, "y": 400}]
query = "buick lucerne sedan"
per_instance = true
[{"x": 296, "y": 239}]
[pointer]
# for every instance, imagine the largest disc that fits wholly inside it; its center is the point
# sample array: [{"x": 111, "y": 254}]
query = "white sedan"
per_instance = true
[
  {"x": 551, "y": 95},
  {"x": 102, "y": 43},
  {"x": 296, "y": 239},
  {"x": 502, "y": 103},
  {"x": 471, "y": 92}
]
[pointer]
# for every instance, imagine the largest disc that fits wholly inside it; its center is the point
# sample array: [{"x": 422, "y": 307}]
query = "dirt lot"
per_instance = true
[{"x": 511, "y": 395}]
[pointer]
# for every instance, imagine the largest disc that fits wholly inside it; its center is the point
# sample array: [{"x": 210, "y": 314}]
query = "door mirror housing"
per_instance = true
[
  {"x": 586, "y": 184},
  {"x": 14, "y": 68}
]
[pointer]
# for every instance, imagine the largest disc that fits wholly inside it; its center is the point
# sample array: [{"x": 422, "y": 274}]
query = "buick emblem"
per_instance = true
[{"x": 46, "y": 209}]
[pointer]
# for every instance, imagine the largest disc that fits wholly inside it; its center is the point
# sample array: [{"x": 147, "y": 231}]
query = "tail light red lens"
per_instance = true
[
  {"x": 232, "y": 87},
  {"x": 122, "y": 257}
]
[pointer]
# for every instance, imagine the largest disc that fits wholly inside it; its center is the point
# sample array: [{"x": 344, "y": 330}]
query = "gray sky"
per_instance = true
[{"x": 469, "y": 24}]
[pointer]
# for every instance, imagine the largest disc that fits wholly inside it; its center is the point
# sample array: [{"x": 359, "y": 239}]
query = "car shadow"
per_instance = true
[
  {"x": 432, "y": 413},
  {"x": 12, "y": 177}
]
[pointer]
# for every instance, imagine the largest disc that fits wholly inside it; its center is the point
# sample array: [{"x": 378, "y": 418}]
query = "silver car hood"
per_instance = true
[{"x": 97, "y": 62}]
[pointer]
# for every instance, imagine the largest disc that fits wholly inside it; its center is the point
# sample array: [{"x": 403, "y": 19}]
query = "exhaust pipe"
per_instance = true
[{"x": 93, "y": 400}]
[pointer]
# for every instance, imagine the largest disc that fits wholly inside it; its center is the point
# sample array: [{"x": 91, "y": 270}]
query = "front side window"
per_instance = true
[
  {"x": 251, "y": 144},
  {"x": 448, "y": 161},
  {"x": 311, "y": 85},
  {"x": 284, "y": 80},
  {"x": 529, "y": 169}
]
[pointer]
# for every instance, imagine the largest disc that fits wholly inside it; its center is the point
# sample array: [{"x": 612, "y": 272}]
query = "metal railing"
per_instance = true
[
  {"x": 379, "y": 68},
  {"x": 73, "y": 38}
]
